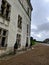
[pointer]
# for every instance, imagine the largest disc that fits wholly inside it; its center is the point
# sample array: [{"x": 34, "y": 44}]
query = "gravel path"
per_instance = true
[{"x": 37, "y": 56}]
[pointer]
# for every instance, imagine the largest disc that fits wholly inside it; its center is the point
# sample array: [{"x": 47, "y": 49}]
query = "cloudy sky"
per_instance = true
[{"x": 40, "y": 19}]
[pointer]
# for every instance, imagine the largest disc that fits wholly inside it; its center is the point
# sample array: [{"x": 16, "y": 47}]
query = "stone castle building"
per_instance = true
[{"x": 15, "y": 22}]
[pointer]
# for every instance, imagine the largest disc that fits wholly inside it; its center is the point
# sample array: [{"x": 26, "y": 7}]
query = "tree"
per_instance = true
[{"x": 31, "y": 38}]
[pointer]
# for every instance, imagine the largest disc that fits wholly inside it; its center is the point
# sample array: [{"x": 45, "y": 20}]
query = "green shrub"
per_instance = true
[{"x": 32, "y": 42}]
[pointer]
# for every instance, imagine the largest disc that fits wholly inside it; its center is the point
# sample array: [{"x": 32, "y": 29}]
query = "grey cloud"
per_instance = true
[
  {"x": 42, "y": 27},
  {"x": 39, "y": 14}
]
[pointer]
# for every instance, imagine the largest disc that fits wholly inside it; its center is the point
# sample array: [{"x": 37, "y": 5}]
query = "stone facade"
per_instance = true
[{"x": 15, "y": 21}]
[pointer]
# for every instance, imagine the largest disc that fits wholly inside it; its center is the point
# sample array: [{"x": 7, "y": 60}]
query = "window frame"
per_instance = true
[
  {"x": 3, "y": 36},
  {"x": 19, "y": 22},
  {"x": 3, "y": 12}
]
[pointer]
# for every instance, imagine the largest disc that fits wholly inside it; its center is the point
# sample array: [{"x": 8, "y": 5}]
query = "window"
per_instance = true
[
  {"x": 18, "y": 40},
  {"x": 8, "y": 12},
  {"x": 27, "y": 29},
  {"x": 3, "y": 6},
  {"x": 3, "y": 41},
  {"x": 0, "y": 31},
  {"x": 3, "y": 37},
  {"x": 19, "y": 22},
  {"x": 4, "y": 32},
  {"x": 27, "y": 42},
  {"x": 0, "y": 5},
  {"x": 5, "y": 9},
  {"x": 28, "y": 11}
]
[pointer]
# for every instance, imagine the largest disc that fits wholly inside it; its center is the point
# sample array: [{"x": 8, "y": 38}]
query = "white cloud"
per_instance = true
[
  {"x": 33, "y": 27},
  {"x": 46, "y": 1},
  {"x": 47, "y": 18},
  {"x": 39, "y": 35}
]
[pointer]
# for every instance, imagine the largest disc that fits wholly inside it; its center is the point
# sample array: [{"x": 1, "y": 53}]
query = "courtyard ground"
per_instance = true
[{"x": 37, "y": 56}]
